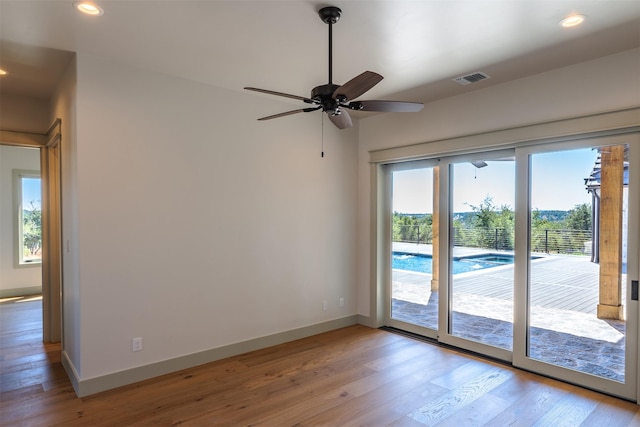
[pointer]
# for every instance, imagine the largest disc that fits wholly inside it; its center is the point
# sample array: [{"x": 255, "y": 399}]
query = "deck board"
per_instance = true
[{"x": 559, "y": 282}]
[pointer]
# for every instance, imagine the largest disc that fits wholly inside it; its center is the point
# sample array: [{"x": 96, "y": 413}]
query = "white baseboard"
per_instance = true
[
  {"x": 365, "y": 320},
  {"x": 71, "y": 371},
  {"x": 130, "y": 376}
]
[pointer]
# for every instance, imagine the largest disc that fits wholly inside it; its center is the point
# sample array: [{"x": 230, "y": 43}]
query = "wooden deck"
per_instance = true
[{"x": 562, "y": 282}]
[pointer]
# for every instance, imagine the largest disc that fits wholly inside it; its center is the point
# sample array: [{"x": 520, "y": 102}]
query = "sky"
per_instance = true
[
  {"x": 557, "y": 183},
  {"x": 31, "y": 192}
]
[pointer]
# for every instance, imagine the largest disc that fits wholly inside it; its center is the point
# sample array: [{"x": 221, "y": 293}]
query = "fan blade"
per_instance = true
[
  {"x": 357, "y": 86},
  {"x": 386, "y": 106},
  {"x": 342, "y": 120},
  {"x": 286, "y": 95},
  {"x": 288, "y": 113}
]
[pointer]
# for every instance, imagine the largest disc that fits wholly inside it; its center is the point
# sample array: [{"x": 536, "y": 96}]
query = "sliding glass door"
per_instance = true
[
  {"x": 529, "y": 255},
  {"x": 579, "y": 320},
  {"x": 413, "y": 301},
  {"x": 482, "y": 201}
]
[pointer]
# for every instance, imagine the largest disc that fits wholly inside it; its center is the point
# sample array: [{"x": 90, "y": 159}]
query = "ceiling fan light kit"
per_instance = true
[{"x": 335, "y": 99}]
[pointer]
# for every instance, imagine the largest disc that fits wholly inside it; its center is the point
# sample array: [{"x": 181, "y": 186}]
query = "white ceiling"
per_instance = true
[{"x": 418, "y": 46}]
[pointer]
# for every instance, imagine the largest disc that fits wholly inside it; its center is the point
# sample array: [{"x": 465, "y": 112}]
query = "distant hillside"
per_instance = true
[
  {"x": 551, "y": 215},
  {"x": 415, "y": 215},
  {"x": 554, "y": 216}
]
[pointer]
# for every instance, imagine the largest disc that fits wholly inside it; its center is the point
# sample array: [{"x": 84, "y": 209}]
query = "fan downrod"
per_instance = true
[{"x": 330, "y": 14}]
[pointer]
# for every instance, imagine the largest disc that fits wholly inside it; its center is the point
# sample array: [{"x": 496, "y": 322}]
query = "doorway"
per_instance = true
[
  {"x": 549, "y": 250},
  {"x": 48, "y": 146}
]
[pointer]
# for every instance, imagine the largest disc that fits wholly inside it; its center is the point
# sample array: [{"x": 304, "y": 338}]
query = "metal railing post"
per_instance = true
[{"x": 546, "y": 241}]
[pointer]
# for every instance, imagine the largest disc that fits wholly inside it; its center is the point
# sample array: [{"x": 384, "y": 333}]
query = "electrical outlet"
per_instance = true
[
  {"x": 137, "y": 344},
  {"x": 341, "y": 303},
  {"x": 324, "y": 305}
]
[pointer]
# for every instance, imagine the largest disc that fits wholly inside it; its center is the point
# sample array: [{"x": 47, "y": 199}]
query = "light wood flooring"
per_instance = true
[{"x": 350, "y": 377}]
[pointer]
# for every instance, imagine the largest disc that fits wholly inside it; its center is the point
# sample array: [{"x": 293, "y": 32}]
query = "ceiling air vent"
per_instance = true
[{"x": 471, "y": 78}]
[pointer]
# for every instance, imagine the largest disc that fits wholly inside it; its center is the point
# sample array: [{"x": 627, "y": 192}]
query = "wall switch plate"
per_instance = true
[
  {"x": 341, "y": 302},
  {"x": 137, "y": 344},
  {"x": 324, "y": 306}
]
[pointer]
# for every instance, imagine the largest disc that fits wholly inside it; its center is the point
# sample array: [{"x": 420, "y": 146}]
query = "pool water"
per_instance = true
[{"x": 423, "y": 263}]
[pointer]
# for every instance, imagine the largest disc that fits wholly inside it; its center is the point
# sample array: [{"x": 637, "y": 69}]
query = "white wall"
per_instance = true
[
  {"x": 14, "y": 280},
  {"x": 63, "y": 106},
  {"x": 24, "y": 114},
  {"x": 605, "y": 84},
  {"x": 198, "y": 226}
]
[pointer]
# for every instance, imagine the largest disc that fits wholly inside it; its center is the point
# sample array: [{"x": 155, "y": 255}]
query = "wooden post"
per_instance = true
[
  {"x": 435, "y": 267},
  {"x": 611, "y": 186}
]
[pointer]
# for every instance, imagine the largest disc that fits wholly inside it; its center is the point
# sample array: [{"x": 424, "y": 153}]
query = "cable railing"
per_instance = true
[
  {"x": 499, "y": 239},
  {"x": 420, "y": 234},
  {"x": 575, "y": 242}
]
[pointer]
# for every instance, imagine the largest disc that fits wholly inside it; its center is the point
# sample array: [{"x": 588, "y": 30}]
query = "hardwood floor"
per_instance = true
[{"x": 352, "y": 376}]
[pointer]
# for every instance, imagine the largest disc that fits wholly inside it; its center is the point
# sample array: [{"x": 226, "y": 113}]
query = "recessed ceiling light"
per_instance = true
[
  {"x": 2, "y": 72},
  {"x": 88, "y": 8},
  {"x": 572, "y": 21}
]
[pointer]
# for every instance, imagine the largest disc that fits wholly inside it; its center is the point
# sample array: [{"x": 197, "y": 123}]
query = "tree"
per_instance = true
[
  {"x": 32, "y": 230},
  {"x": 537, "y": 221},
  {"x": 579, "y": 218},
  {"x": 412, "y": 228},
  {"x": 485, "y": 213},
  {"x": 491, "y": 227}
]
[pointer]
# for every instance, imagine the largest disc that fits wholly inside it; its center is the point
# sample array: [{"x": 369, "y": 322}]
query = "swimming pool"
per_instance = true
[{"x": 422, "y": 263}]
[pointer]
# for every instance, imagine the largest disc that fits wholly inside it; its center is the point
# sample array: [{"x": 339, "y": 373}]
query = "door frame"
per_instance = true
[{"x": 50, "y": 175}]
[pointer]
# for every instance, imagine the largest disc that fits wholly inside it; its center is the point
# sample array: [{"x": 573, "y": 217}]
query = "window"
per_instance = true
[{"x": 28, "y": 223}]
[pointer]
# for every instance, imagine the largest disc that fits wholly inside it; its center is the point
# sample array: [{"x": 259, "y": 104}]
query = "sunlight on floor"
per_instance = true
[
  {"x": 564, "y": 321},
  {"x": 22, "y": 299},
  {"x": 34, "y": 298},
  {"x": 411, "y": 293}
]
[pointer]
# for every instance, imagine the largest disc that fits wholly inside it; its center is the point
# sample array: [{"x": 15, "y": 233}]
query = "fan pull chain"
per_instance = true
[{"x": 322, "y": 135}]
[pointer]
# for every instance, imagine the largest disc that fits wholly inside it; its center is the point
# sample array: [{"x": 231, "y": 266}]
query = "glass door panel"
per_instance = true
[
  {"x": 482, "y": 252},
  {"x": 580, "y": 320},
  {"x": 578, "y": 240},
  {"x": 413, "y": 299}
]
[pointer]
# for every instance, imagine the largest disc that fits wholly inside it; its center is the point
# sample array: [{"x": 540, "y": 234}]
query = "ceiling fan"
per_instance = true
[{"x": 335, "y": 99}]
